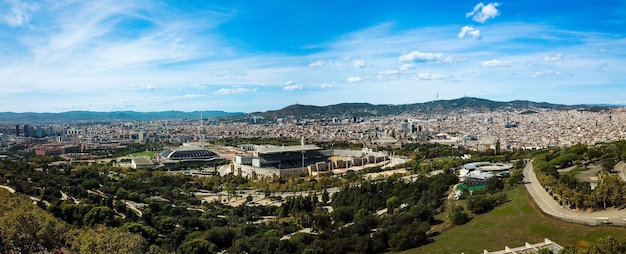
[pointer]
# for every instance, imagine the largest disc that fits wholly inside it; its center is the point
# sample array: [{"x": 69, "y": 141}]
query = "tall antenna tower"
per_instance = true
[{"x": 200, "y": 132}]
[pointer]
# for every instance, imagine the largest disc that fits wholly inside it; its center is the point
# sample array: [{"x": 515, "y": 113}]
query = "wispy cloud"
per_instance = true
[
  {"x": 429, "y": 76},
  {"x": 553, "y": 58},
  {"x": 354, "y": 79},
  {"x": 328, "y": 85},
  {"x": 495, "y": 63},
  {"x": 388, "y": 72},
  {"x": 359, "y": 63},
  {"x": 236, "y": 90},
  {"x": 406, "y": 67},
  {"x": 417, "y": 56},
  {"x": 198, "y": 86},
  {"x": 603, "y": 67},
  {"x": 20, "y": 14},
  {"x": 545, "y": 73},
  {"x": 317, "y": 64},
  {"x": 293, "y": 87}
]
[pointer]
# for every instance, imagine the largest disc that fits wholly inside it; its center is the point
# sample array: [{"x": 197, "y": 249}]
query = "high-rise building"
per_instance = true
[
  {"x": 3, "y": 139},
  {"x": 26, "y": 130}
]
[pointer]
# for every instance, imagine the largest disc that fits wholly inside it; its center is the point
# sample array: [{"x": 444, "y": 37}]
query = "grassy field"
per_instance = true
[
  {"x": 143, "y": 154},
  {"x": 512, "y": 224}
]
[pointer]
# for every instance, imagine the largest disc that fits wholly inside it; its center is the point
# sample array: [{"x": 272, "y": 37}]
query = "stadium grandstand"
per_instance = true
[{"x": 188, "y": 155}]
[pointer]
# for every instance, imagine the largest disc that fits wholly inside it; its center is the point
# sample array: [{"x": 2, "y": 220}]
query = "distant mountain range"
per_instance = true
[
  {"x": 465, "y": 104},
  {"x": 89, "y": 116}
]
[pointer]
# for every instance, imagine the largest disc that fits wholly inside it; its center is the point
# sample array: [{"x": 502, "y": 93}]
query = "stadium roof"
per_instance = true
[
  {"x": 188, "y": 152},
  {"x": 286, "y": 149}
]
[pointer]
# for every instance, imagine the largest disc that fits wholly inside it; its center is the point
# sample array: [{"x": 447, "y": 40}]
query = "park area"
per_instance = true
[{"x": 513, "y": 224}]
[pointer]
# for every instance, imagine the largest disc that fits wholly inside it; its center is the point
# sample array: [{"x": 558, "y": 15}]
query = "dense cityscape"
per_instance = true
[{"x": 475, "y": 131}]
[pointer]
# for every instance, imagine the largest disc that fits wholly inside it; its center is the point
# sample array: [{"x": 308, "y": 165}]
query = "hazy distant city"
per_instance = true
[{"x": 520, "y": 129}]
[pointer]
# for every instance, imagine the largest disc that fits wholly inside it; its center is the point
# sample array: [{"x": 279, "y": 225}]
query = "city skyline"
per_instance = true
[{"x": 235, "y": 56}]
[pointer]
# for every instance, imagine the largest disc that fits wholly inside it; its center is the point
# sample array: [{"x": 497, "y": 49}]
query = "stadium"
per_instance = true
[
  {"x": 188, "y": 155},
  {"x": 477, "y": 173},
  {"x": 301, "y": 160}
]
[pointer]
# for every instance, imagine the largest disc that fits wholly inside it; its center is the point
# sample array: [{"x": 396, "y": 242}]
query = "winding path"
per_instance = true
[
  {"x": 8, "y": 188},
  {"x": 551, "y": 207}
]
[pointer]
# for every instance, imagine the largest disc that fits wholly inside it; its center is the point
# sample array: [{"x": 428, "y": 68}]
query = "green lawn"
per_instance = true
[
  {"x": 143, "y": 154},
  {"x": 513, "y": 224}
]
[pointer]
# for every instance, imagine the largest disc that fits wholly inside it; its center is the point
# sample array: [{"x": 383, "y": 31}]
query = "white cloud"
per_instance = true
[
  {"x": 198, "y": 86},
  {"x": 317, "y": 64},
  {"x": 20, "y": 13},
  {"x": 190, "y": 96},
  {"x": 293, "y": 87},
  {"x": 495, "y": 63},
  {"x": 237, "y": 90},
  {"x": 359, "y": 63},
  {"x": 553, "y": 58},
  {"x": 290, "y": 83},
  {"x": 148, "y": 87},
  {"x": 429, "y": 76},
  {"x": 416, "y": 56},
  {"x": 388, "y": 72},
  {"x": 482, "y": 12},
  {"x": 328, "y": 85},
  {"x": 406, "y": 67},
  {"x": 468, "y": 30},
  {"x": 604, "y": 67},
  {"x": 354, "y": 79},
  {"x": 545, "y": 73}
]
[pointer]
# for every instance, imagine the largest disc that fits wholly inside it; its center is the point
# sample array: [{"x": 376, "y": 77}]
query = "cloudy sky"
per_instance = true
[{"x": 245, "y": 56}]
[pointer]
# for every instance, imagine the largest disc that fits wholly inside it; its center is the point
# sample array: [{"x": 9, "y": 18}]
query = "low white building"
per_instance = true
[{"x": 141, "y": 162}]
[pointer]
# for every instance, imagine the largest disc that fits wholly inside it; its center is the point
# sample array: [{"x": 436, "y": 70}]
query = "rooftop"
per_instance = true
[{"x": 285, "y": 149}]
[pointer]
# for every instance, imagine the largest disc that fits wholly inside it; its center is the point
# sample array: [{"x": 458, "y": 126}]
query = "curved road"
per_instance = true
[{"x": 550, "y": 206}]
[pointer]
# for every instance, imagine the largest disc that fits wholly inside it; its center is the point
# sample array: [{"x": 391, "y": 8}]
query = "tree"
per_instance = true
[
  {"x": 196, "y": 246},
  {"x": 392, "y": 203},
  {"x": 422, "y": 213},
  {"x": 145, "y": 231},
  {"x": 321, "y": 219},
  {"x": 30, "y": 230},
  {"x": 494, "y": 184},
  {"x": 325, "y": 197},
  {"x": 409, "y": 237},
  {"x": 103, "y": 240},
  {"x": 99, "y": 215},
  {"x": 343, "y": 214},
  {"x": 516, "y": 177},
  {"x": 458, "y": 216},
  {"x": 608, "y": 245}
]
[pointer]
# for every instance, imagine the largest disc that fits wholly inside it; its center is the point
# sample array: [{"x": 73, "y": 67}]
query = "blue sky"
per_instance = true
[{"x": 248, "y": 56}]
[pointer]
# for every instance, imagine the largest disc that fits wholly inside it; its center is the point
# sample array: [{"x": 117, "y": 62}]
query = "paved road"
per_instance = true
[
  {"x": 550, "y": 206},
  {"x": 8, "y": 188},
  {"x": 620, "y": 167}
]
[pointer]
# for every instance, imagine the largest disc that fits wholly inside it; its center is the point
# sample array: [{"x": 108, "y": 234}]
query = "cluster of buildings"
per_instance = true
[
  {"x": 258, "y": 161},
  {"x": 301, "y": 160},
  {"x": 473, "y": 130},
  {"x": 539, "y": 129}
]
